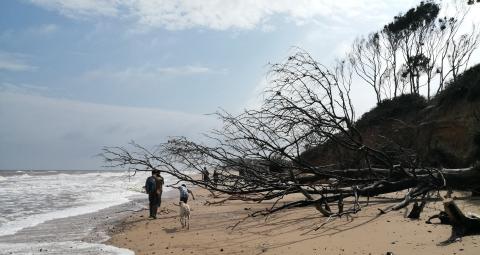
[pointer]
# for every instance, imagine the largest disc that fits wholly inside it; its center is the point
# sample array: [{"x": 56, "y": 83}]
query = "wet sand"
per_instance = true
[{"x": 290, "y": 231}]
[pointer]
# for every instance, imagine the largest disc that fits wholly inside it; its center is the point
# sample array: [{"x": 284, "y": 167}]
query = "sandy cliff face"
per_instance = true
[
  {"x": 441, "y": 136},
  {"x": 445, "y": 134},
  {"x": 435, "y": 135}
]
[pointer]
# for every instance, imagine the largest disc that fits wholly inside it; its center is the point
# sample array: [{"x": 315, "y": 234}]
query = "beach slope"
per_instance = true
[{"x": 288, "y": 232}]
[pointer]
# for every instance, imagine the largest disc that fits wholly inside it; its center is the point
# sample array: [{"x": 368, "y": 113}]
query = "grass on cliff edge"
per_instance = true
[{"x": 466, "y": 87}]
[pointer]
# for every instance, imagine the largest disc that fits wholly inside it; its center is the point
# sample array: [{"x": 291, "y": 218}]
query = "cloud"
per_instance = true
[
  {"x": 14, "y": 62},
  {"x": 148, "y": 74},
  {"x": 43, "y": 29},
  {"x": 214, "y": 14},
  {"x": 82, "y": 8},
  {"x": 255, "y": 100},
  {"x": 22, "y": 88},
  {"x": 184, "y": 70},
  {"x": 42, "y": 132}
]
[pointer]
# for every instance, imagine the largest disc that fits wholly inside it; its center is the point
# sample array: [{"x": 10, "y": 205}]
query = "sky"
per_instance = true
[{"x": 76, "y": 75}]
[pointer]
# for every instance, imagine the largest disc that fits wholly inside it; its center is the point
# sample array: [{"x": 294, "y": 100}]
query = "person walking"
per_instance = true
[{"x": 154, "y": 188}]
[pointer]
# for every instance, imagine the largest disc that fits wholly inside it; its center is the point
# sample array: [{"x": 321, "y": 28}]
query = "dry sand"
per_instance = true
[{"x": 288, "y": 232}]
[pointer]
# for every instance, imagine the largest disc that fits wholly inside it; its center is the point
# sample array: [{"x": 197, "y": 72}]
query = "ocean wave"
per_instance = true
[
  {"x": 94, "y": 174},
  {"x": 62, "y": 195},
  {"x": 14, "y": 226},
  {"x": 72, "y": 247}
]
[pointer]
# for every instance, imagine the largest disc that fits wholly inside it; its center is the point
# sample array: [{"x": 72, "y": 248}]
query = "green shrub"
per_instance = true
[
  {"x": 392, "y": 108},
  {"x": 467, "y": 86}
]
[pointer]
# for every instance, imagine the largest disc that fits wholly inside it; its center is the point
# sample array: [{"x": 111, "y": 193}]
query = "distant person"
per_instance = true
[
  {"x": 153, "y": 187},
  {"x": 205, "y": 176},
  {"x": 215, "y": 177},
  {"x": 183, "y": 192}
]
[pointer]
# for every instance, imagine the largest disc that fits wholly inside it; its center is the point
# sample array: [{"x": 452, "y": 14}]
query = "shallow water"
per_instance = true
[{"x": 62, "y": 212}]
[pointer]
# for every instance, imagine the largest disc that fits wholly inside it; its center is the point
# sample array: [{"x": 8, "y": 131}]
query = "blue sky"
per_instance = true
[{"x": 76, "y": 75}]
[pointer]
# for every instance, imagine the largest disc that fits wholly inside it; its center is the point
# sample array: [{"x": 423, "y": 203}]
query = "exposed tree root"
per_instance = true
[{"x": 462, "y": 225}]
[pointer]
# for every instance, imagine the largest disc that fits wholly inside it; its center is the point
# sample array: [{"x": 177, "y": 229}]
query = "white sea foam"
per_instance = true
[
  {"x": 29, "y": 200},
  {"x": 73, "y": 247},
  {"x": 13, "y": 227}
]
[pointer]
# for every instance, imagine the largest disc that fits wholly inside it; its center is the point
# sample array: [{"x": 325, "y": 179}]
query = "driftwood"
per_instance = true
[
  {"x": 462, "y": 225},
  {"x": 442, "y": 216},
  {"x": 417, "y": 210}
]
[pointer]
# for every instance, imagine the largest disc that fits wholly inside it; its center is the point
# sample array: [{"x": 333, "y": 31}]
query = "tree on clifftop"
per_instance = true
[{"x": 415, "y": 50}]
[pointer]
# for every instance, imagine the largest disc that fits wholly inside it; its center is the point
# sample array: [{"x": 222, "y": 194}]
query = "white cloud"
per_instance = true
[
  {"x": 214, "y": 14},
  {"x": 82, "y": 8},
  {"x": 184, "y": 70},
  {"x": 255, "y": 100},
  {"x": 14, "y": 62},
  {"x": 147, "y": 74},
  {"x": 22, "y": 88},
  {"x": 43, "y": 29},
  {"x": 41, "y": 132},
  {"x": 14, "y": 66}
]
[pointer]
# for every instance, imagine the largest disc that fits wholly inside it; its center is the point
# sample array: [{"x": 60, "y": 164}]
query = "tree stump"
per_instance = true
[
  {"x": 417, "y": 210},
  {"x": 462, "y": 225}
]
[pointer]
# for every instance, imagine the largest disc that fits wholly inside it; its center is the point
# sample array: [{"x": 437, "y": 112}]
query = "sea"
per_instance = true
[{"x": 66, "y": 212}]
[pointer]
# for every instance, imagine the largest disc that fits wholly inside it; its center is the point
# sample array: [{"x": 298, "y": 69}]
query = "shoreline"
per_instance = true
[
  {"x": 91, "y": 213},
  {"x": 121, "y": 223},
  {"x": 287, "y": 232},
  {"x": 80, "y": 234},
  {"x": 64, "y": 212}
]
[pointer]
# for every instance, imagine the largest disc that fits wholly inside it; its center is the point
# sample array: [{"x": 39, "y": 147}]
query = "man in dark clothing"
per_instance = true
[{"x": 153, "y": 187}]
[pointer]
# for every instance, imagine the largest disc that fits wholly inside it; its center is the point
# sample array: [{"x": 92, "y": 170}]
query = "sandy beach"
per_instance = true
[{"x": 290, "y": 231}]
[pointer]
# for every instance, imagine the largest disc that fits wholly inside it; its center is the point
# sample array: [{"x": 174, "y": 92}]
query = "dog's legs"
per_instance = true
[{"x": 188, "y": 221}]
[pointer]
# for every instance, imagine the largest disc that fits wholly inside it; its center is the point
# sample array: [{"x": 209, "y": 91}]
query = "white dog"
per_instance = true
[{"x": 184, "y": 215}]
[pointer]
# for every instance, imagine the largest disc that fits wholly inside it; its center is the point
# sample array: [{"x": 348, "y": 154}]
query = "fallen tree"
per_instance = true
[{"x": 257, "y": 155}]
